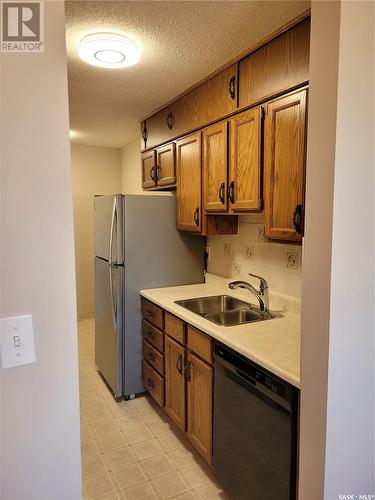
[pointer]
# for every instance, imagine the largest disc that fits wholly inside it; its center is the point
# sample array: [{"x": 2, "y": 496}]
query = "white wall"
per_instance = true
[
  {"x": 95, "y": 170},
  {"x": 131, "y": 179},
  {"x": 337, "y": 358},
  {"x": 350, "y": 406},
  {"x": 40, "y": 445}
]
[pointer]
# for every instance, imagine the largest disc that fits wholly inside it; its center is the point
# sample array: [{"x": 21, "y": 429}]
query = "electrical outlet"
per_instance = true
[
  {"x": 260, "y": 234},
  {"x": 249, "y": 252},
  {"x": 291, "y": 259},
  {"x": 236, "y": 269},
  {"x": 208, "y": 253},
  {"x": 227, "y": 248}
]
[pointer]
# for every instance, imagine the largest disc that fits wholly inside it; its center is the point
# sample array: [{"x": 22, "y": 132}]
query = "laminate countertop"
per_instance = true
[{"x": 273, "y": 344}]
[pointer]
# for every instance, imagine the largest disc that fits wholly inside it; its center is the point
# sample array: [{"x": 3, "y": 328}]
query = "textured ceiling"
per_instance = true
[{"x": 181, "y": 43}]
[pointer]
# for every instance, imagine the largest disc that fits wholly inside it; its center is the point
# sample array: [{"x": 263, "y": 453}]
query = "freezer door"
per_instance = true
[
  {"x": 109, "y": 281},
  {"x": 109, "y": 229}
]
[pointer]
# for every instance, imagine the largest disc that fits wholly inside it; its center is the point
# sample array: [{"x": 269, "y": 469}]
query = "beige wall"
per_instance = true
[
  {"x": 40, "y": 444},
  {"x": 131, "y": 180},
  {"x": 337, "y": 357},
  {"x": 95, "y": 170}
]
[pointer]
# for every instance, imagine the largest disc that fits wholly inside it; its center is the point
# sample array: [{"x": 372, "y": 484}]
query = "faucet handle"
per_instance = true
[{"x": 263, "y": 285}]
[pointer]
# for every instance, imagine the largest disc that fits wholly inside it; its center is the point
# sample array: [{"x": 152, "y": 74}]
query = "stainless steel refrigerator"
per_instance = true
[{"x": 137, "y": 246}]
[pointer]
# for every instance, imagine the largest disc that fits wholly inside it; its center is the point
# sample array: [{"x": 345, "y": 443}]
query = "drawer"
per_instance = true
[
  {"x": 154, "y": 336},
  {"x": 154, "y": 357},
  {"x": 175, "y": 328},
  {"x": 154, "y": 383},
  {"x": 153, "y": 314},
  {"x": 199, "y": 343}
]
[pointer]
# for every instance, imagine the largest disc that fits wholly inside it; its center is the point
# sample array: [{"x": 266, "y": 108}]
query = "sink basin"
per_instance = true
[
  {"x": 210, "y": 305},
  {"x": 225, "y": 310},
  {"x": 236, "y": 317}
]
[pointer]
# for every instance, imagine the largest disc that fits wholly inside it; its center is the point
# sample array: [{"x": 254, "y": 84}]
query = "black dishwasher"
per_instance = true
[{"x": 255, "y": 429}]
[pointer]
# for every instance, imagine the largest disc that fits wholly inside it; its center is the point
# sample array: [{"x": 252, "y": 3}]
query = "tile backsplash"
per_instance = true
[{"x": 249, "y": 252}]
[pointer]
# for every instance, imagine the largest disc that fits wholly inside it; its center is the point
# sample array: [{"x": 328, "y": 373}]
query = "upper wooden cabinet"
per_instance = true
[
  {"x": 214, "y": 167},
  {"x": 159, "y": 167},
  {"x": 245, "y": 161},
  {"x": 277, "y": 66},
  {"x": 209, "y": 102},
  {"x": 188, "y": 152},
  {"x": 233, "y": 187},
  {"x": 166, "y": 165},
  {"x": 284, "y": 166},
  {"x": 148, "y": 170}
]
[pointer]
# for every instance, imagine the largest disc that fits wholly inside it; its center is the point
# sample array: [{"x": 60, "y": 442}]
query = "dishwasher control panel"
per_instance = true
[{"x": 252, "y": 372}]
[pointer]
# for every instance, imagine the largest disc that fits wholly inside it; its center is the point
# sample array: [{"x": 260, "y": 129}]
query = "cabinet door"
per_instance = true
[
  {"x": 165, "y": 164},
  {"x": 174, "y": 381},
  {"x": 214, "y": 167},
  {"x": 245, "y": 161},
  {"x": 284, "y": 166},
  {"x": 189, "y": 183},
  {"x": 148, "y": 169},
  {"x": 277, "y": 66},
  {"x": 199, "y": 406}
]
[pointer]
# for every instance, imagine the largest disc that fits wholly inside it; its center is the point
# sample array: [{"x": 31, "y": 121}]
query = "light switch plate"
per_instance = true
[
  {"x": 227, "y": 249},
  {"x": 17, "y": 341}
]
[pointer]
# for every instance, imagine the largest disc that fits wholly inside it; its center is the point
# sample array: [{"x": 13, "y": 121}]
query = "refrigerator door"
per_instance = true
[
  {"x": 109, "y": 282},
  {"x": 109, "y": 232}
]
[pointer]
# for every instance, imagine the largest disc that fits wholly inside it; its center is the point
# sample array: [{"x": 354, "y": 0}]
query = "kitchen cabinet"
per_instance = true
[
  {"x": 279, "y": 65},
  {"x": 243, "y": 191},
  {"x": 178, "y": 373},
  {"x": 175, "y": 382},
  {"x": 199, "y": 404},
  {"x": 188, "y": 153},
  {"x": 166, "y": 165},
  {"x": 215, "y": 167},
  {"x": 208, "y": 102},
  {"x": 148, "y": 169},
  {"x": 159, "y": 167},
  {"x": 284, "y": 166},
  {"x": 245, "y": 131}
]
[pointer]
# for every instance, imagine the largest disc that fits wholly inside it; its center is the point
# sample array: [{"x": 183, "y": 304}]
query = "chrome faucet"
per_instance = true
[{"x": 261, "y": 294}]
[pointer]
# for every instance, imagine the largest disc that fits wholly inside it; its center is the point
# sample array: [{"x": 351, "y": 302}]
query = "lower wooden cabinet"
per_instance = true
[
  {"x": 199, "y": 404},
  {"x": 178, "y": 374},
  {"x": 175, "y": 381}
]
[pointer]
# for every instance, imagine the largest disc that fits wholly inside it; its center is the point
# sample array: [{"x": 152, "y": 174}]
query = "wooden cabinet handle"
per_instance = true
[
  {"x": 187, "y": 371},
  {"x": 153, "y": 173},
  {"x": 196, "y": 216},
  {"x": 231, "y": 192},
  {"x": 179, "y": 363},
  {"x": 222, "y": 193},
  {"x": 150, "y": 335},
  {"x": 170, "y": 120},
  {"x": 232, "y": 87},
  {"x": 145, "y": 135},
  {"x": 151, "y": 314},
  {"x": 297, "y": 219},
  {"x": 150, "y": 383}
]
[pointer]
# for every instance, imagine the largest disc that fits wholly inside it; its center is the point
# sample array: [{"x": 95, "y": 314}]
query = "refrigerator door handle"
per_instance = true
[
  {"x": 113, "y": 303},
  {"x": 111, "y": 233}
]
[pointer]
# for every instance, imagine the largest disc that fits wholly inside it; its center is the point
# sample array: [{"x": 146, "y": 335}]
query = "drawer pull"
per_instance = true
[
  {"x": 150, "y": 356},
  {"x": 222, "y": 193},
  {"x": 179, "y": 363},
  {"x": 151, "y": 314},
  {"x": 150, "y": 383},
  {"x": 150, "y": 335}
]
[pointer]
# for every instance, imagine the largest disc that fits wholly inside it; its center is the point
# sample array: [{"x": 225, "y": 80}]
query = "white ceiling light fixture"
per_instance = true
[{"x": 108, "y": 50}]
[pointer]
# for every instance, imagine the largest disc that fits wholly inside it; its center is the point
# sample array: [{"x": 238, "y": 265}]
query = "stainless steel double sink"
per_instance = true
[{"x": 225, "y": 310}]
